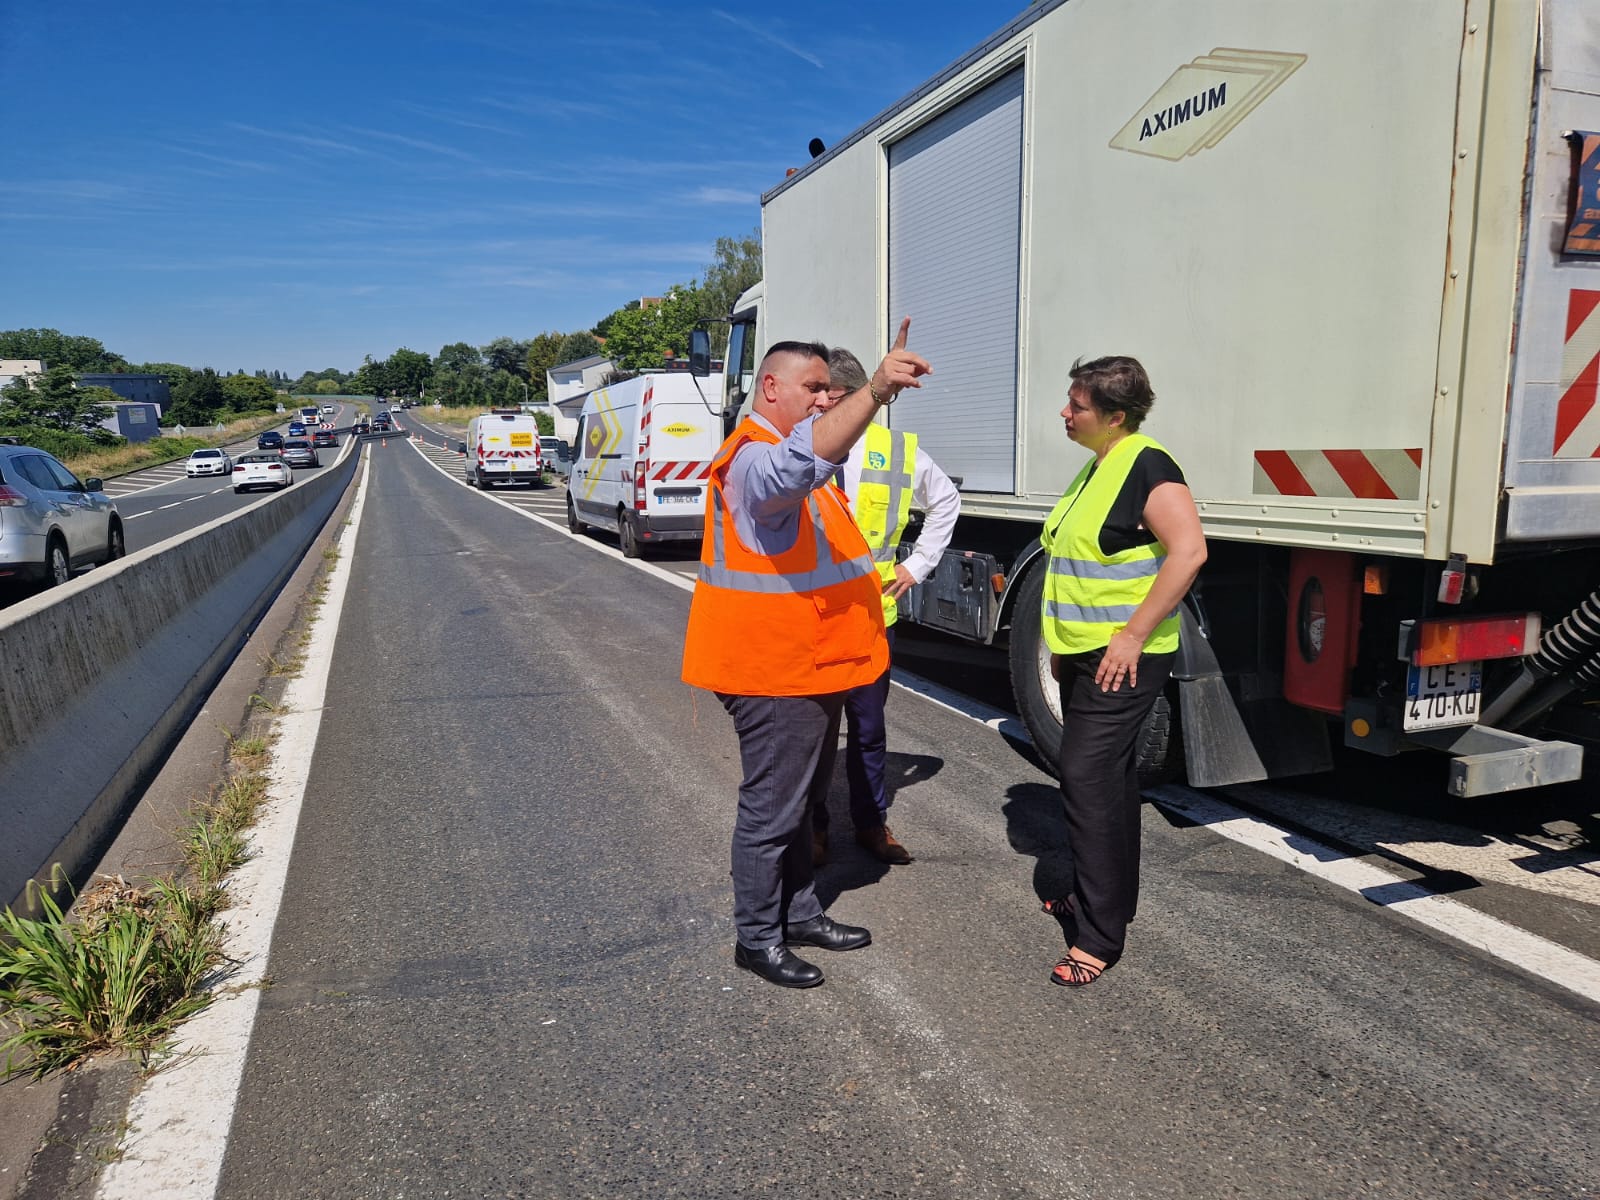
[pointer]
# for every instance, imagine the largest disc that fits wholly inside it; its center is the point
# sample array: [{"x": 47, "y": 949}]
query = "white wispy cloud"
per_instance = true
[
  {"x": 771, "y": 38},
  {"x": 416, "y": 143},
  {"x": 310, "y": 141},
  {"x": 451, "y": 118},
  {"x": 721, "y": 195},
  {"x": 243, "y": 164}
]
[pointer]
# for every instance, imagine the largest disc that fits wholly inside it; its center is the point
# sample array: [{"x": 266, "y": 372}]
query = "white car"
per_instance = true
[
  {"x": 261, "y": 469},
  {"x": 208, "y": 462},
  {"x": 329, "y": 409}
]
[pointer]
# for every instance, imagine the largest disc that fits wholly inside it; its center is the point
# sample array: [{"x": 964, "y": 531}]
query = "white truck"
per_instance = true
[
  {"x": 642, "y": 459},
  {"x": 1355, "y": 246},
  {"x": 503, "y": 446}
]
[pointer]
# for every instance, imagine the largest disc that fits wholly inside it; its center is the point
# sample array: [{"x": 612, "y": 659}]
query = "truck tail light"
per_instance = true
[
  {"x": 641, "y": 476},
  {"x": 1467, "y": 639}
]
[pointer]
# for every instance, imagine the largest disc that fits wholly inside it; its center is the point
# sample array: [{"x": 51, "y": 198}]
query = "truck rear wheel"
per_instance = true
[
  {"x": 1159, "y": 756},
  {"x": 1037, "y": 694}
]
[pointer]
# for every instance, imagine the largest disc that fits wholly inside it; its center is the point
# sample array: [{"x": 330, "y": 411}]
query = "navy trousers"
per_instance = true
[
  {"x": 781, "y": 743},
  {"x": 865, "y": 755}
]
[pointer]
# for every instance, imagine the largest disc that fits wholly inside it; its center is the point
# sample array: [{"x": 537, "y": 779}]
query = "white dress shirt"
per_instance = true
[{"x": 932, "y": 491}]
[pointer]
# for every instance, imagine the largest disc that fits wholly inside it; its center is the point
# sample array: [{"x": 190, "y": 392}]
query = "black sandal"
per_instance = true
[{"x": 1079, "y": 973}]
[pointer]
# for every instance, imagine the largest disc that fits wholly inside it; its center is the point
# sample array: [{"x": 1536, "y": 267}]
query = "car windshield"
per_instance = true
[
  {"x": 299, "y": 444},
  {"x": 259, "y": 458},
  {"x": 206, "y": 454}
]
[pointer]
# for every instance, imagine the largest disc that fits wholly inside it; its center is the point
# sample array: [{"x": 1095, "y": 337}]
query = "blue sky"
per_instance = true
[{"x": 291, "y": 185}]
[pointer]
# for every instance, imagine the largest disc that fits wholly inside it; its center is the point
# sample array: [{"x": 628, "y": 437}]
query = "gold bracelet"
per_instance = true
[{"x": 878, "y": 400}]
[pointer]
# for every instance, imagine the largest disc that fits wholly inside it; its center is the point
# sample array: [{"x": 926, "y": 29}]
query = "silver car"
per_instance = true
[{"x": 51, "y": 522}]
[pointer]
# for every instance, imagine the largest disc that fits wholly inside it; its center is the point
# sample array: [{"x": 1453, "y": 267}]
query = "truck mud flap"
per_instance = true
[{"x": 1227, "y": 742}]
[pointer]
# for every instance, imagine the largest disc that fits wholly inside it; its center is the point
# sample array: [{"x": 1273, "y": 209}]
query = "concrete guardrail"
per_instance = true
[{"x": 99, "y": 677}]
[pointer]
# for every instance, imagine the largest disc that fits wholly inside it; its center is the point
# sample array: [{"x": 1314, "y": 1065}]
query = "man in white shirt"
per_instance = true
[{"x": 885, "y": 475}]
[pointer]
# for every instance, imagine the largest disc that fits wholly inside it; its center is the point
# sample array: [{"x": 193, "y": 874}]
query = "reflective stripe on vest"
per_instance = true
[
  {"x": 825, "y": 574},
  {"x": 806, "y": 620},
  {"x": 1090, "y": 595},
  {"x": 883, "y": 500}
]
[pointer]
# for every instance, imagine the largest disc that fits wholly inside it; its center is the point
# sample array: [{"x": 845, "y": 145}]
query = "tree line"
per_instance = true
[
  {"x": 637, "y": 336},
  {"x": 504, "y": 372}
]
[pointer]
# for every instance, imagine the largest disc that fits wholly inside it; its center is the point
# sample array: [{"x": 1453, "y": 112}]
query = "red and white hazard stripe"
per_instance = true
[
  {"x": 1340, "y": 474},
  {"x": 676, "y": 471},
  {"x": 1577, "y": 413}
]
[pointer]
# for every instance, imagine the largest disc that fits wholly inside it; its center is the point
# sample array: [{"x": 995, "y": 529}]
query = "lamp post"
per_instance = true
[{"x": 524, "y": 383}]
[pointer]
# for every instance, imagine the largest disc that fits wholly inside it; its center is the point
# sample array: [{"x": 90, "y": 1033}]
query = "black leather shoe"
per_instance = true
[
  {"x": 823, "y": 931},
  {"x": 777, "y": 965}
]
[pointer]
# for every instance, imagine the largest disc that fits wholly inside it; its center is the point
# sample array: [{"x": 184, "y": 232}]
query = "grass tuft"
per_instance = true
[{"x": 120, "y": 977}]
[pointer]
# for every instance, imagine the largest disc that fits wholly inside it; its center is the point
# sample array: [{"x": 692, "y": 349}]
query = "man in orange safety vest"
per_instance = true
[{"x": 786, "y": 618}]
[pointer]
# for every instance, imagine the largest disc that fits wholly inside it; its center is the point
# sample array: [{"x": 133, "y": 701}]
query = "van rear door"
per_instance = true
[{"x": 684, "y": 431}]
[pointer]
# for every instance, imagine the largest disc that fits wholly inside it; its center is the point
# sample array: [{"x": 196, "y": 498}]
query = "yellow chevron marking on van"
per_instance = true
[{"x": 602, "y": 439}]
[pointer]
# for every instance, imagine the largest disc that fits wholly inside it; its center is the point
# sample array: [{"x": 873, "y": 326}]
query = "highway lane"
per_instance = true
[
  {"x": 503, "y": 963},
  {"x": 1525, "y": 857},
  {"x": 162, "y": 502}
]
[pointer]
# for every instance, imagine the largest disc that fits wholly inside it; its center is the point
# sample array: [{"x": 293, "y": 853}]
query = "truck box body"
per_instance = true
[
  {"x": 1333, "y": 234},
  {"x": 643, "y": 459},
  {"x": 1299, "y": 283}
]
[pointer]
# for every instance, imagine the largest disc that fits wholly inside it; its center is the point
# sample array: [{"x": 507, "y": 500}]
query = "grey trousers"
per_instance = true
[{"x": 780, "y": 742}]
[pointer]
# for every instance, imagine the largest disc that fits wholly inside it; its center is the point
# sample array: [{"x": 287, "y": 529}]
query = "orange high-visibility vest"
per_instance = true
[{"x": 805, "y": 622}]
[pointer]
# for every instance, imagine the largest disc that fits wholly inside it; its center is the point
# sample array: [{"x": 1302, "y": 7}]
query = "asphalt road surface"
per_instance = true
[{"x": 503, "y": 964}]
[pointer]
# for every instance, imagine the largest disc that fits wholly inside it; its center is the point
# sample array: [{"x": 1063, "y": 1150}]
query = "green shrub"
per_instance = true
[{"x": 60, "y": 442}]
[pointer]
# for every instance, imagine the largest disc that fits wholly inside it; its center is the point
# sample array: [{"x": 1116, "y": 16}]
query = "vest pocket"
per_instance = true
[{"x": 846, "y": 631}]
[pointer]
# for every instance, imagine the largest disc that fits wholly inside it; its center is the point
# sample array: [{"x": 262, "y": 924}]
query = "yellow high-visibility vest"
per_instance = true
[
  {"x": 883, "y": 501},
  {"x": 1088, "y": 595}
]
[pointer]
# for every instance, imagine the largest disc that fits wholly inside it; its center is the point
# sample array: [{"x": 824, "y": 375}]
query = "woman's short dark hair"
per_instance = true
[{"x": 1115, "y": 384}]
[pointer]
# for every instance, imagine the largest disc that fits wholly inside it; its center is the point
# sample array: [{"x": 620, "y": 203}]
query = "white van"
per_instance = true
[
  {"x": 503, "y": 445},
  {"x": 642, "y": 462}
]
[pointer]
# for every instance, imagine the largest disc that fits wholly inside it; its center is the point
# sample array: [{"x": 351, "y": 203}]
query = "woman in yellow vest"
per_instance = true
[{"x": 1124, "y": 544}]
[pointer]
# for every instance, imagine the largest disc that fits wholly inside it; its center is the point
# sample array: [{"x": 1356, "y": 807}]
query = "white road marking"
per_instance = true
[
  {"x": 1539, "y": 956},
  {"x": 180, "y": 1119},
  {"x": 1534, "y": 954}
]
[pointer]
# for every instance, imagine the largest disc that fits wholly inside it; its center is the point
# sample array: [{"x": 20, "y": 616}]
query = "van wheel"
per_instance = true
[
  {"x": 573, "y": 523},
  {"x": 627, "y": 537},
  {"x": 57, "y": 566}
]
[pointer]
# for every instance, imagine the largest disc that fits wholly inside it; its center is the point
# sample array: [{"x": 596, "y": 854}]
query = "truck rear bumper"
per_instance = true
[{"x": 1485, "y": 761}]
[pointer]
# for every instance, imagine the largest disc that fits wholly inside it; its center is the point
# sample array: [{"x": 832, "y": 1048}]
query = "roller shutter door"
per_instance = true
[{"x": 955, "y": 202}]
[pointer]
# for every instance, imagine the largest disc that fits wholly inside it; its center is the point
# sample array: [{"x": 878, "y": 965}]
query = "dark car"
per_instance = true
[
  {"x": 298, "y": 452},
  {"x": 270, "y": 440},
  {"x": 380, "y": 423},
  {"x": 361, "y": 426},
  {"x": 324, "y": 437}
]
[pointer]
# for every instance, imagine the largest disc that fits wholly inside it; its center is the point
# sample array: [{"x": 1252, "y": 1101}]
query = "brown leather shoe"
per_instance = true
[
  {"x": 819, "y": 846},
  {"x": 880, "y": 842}
]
